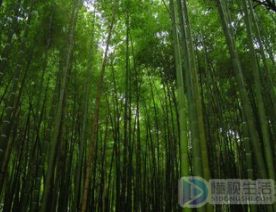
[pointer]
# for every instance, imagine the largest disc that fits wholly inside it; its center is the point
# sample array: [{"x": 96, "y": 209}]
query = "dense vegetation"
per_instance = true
[{"x": 105, "y": 104}]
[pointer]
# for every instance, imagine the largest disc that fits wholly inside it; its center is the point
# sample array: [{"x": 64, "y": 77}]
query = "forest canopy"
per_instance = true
[{"x": 106, "y": 104}]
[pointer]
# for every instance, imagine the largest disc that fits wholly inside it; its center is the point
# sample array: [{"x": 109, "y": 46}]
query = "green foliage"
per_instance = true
[{"x": 137, "y": 154}]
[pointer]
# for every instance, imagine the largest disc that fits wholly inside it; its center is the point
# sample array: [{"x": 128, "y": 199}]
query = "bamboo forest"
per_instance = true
[{"x": 106, "y": 104}]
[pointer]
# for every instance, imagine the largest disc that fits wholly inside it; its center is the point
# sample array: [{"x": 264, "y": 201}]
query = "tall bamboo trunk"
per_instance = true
[
  {"x": 246, "y": 107},
  {"x": 60, "y": 110},
  {"x": 182, "y": 105},
  {"x": 96, "y": 117}
]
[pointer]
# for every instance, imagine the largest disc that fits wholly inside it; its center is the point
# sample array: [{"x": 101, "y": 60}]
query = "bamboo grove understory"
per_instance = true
[{"x": 105, "y": 104}]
